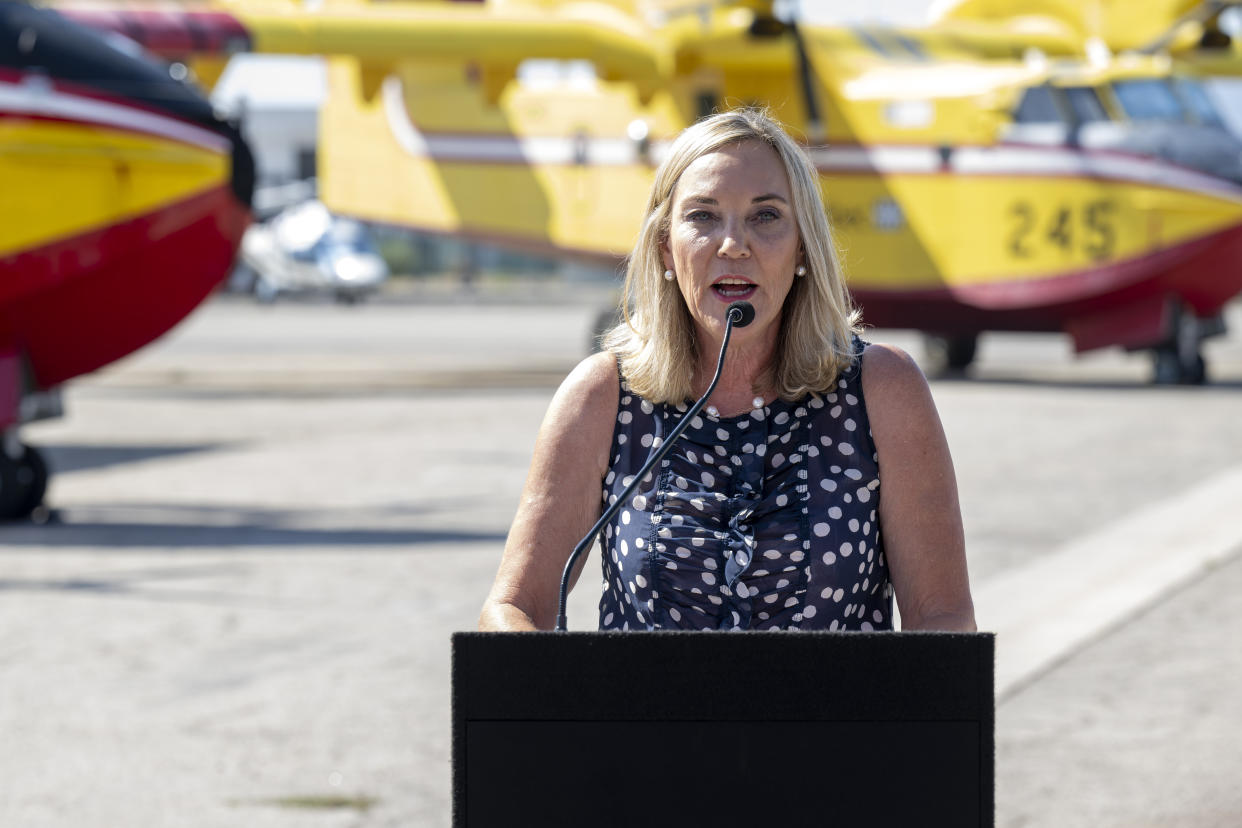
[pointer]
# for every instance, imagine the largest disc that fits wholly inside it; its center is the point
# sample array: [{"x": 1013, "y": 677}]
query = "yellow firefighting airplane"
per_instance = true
[{"x": 992, "y": 171}]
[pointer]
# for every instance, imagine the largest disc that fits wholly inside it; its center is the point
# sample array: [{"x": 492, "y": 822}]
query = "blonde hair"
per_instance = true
[{"x": 656, "y": 342}]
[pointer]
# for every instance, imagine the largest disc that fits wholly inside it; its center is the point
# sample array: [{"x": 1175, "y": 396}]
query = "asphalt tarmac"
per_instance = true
[{"x": 266, "y": 526}]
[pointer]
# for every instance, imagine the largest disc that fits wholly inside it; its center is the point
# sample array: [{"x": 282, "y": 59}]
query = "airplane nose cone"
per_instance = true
[{"x": 156, "y": 188}]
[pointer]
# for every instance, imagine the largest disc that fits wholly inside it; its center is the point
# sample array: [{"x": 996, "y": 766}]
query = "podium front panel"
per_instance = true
[{"x": 755, "y": 728}]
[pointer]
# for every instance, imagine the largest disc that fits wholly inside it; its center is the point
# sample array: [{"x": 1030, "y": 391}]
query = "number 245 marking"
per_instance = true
[{"x": 1094, "y": 230}]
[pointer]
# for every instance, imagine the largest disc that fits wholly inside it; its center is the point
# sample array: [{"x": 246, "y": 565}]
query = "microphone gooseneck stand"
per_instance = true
[{"x": 739, "y": 314}]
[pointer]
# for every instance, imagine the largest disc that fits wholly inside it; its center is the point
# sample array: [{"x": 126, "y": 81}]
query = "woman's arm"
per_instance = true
[
  {"x": 920, "y": 519},
  {"x": 561, "y": 499}
]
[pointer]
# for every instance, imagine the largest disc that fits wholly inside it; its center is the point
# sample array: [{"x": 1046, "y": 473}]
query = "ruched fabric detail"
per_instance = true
[{"x": 766, "y": 520}]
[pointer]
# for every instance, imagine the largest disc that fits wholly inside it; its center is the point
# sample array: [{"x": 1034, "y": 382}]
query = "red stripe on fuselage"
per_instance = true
[
  {"x": 80, "y": 303},
  {"x": 1203, "y": 273}
]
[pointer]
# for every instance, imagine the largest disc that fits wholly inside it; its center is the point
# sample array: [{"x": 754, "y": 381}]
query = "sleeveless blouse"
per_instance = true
[{"x": 765, "y": 520}]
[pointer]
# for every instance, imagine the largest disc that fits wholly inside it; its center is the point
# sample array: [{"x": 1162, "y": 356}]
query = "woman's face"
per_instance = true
[{"x": 732, "y": 235}]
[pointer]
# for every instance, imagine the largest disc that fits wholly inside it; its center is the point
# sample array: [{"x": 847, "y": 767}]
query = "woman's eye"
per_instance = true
[
  {"x": 767, "y": 215},
  {"x": 699, "y": 215}
]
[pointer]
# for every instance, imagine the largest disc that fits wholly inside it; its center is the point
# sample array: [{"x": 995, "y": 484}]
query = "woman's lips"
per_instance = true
[{"x": 732, "y": 293}]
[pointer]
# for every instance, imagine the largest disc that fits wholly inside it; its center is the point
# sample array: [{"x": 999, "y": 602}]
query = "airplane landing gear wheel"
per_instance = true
[
  {"x": 1179, "y": 362},
  {"x": 1172, "y": 368},
  {"x": 23, "y": 483},
  {"x": 949, "y": 355}
]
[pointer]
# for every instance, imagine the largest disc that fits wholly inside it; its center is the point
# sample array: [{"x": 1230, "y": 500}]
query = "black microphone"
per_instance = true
[
  {"x": 738, "y": 315},
  {"x": 742, "y": 313}
]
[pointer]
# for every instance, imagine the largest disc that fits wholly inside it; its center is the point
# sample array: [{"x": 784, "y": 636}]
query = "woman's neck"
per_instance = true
[{"x": 747, "y": 370}]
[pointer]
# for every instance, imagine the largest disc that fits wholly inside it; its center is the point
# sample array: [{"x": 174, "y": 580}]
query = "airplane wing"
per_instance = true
[
  {"x": 427, "y": 91},
  {"x": 1176, "y": 27},
  {"x": 647, "y": 47},
  {"x": 622, "y": 46}
]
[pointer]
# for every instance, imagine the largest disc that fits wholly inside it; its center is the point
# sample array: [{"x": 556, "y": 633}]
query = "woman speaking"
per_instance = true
[{"x": 814, "y": 486}]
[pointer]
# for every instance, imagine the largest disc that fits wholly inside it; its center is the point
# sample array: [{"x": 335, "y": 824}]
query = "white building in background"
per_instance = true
[{"x": 283, "y": 141}]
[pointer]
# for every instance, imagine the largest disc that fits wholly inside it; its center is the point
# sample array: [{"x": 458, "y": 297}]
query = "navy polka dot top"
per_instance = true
[{"x": 766, "y": 520}]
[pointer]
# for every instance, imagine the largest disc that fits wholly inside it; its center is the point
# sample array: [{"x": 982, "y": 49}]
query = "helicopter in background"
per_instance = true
[
  {"x": 999, "y": 169},
  {"x": 303, "y": 249}
]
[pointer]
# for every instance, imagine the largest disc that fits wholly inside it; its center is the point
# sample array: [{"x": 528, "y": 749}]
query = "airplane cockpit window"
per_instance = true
[
  {"x": 1037, "y": 107},
  {"x": 1086, "y": 104},
  {"x": 1149, "y": 99},
  {"x": 1196, "y": 97}
]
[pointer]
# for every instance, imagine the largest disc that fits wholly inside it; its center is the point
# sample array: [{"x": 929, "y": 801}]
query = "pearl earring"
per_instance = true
[
  {"x": 800, "y": 270},
  {"x": 668, "y": 274}
]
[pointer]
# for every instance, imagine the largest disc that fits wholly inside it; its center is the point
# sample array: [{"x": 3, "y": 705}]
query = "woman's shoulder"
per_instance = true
[
  {"x": 888, "y": 367},
  {"x": 596, "y": 372},
  {"x": 897, "y": 393},
  {"x": 577, "y": 428},
  {"x": 590, "y": 391}
]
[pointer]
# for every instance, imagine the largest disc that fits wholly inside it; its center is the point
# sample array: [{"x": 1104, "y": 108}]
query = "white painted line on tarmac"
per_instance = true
[{"x": 1044, "y": 611}]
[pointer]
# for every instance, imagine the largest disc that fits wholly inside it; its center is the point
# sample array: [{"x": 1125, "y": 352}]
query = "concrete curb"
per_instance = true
[{"x": 1044, "y": 611}]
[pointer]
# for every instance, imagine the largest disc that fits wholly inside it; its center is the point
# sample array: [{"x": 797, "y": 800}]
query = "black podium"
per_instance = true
[{"x": 757, "y": 728}]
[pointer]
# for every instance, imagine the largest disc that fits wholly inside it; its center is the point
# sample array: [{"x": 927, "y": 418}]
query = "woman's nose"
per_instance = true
[{"x": 733, "y": 243}]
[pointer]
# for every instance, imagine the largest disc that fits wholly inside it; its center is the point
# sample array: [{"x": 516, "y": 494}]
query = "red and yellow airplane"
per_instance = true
[
  {"x": 998, "y": 170},
  {"x": 122, "y": 204},
  {"x": 983, "y": 173}
]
